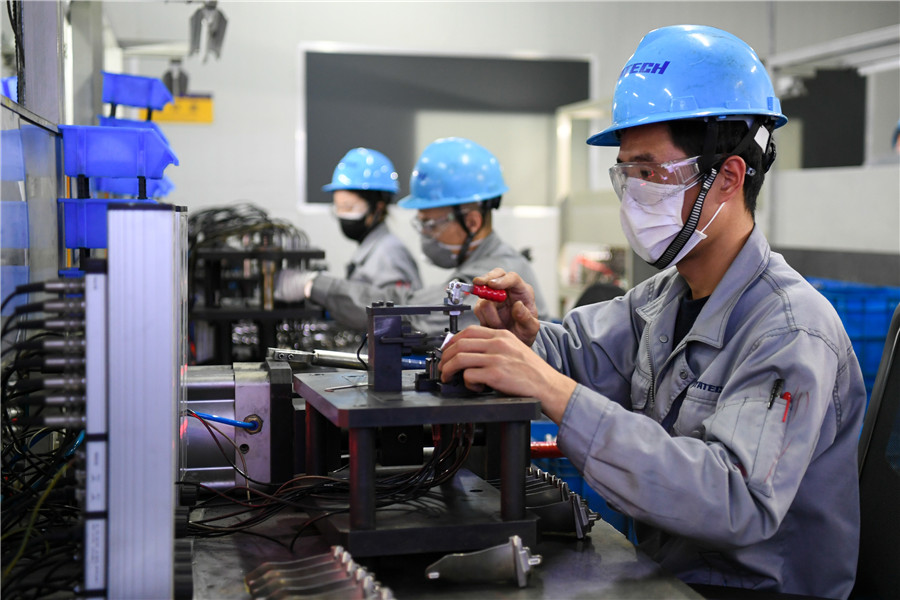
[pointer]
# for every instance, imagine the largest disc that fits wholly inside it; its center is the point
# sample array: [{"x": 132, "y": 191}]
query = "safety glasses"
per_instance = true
[
  {"x": 431, "y": 227},
  {"x": 679, "y": 174}
]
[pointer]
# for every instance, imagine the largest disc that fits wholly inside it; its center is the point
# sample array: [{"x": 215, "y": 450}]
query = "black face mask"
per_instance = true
[{"x": 355, "y": 229}]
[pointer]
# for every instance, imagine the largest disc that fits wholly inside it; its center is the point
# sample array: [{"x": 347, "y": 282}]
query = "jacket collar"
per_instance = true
[
  {"x": 710, "y": 327},
  {"x": 486, "y": 247},
  {"x": 369, "y": 242}
]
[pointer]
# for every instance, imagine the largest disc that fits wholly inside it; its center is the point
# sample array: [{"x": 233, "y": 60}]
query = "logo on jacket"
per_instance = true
[{"x": 716, "y": 389}]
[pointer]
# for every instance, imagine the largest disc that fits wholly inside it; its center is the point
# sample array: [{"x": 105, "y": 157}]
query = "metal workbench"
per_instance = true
[{"x": 603, "y": 565}]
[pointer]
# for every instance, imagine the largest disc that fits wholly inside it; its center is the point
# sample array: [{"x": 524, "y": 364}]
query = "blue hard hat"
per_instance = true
[
  {"x": 364, "y": 169},
  {"x": 454, "y": 171},
  {"x": 689, "y": 72}
]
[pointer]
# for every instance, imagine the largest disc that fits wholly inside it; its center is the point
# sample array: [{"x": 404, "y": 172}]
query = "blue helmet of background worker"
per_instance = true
[
  {"x": 368, "y": 175},
  {"x": 454, "y": 172},
  {"x": 364, "y": 169},
  {"x": 713, "y": 87}
]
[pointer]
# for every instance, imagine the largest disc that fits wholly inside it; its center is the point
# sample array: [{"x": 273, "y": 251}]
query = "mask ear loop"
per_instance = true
[{"x": 688, "y": 230}]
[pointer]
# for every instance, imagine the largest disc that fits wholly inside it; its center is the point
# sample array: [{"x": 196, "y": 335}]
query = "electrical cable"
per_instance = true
[
  {"x": 331, "y": 494},
  {"x": 211, "y": 429},
  {"x": 226, "y": 420},
  {"x": 34, "y": 514}
]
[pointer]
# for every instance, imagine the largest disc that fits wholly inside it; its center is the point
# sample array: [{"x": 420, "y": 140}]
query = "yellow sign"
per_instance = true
[{"x": 186, "y": 109}]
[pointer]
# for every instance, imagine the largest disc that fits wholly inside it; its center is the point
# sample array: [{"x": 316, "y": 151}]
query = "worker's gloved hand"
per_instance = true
[{"x": 293, "y": 285}]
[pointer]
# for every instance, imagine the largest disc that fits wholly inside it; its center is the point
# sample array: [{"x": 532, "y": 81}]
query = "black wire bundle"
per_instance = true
[
  {"x": 242, "y": 226},
  {"x": 328, "y": 495},
  {"x": 218, "y": 226},
  {"x": 41, "y": 535}
]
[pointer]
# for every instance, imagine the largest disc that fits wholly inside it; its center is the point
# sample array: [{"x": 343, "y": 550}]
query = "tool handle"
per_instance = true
[{"x": 489, "y": 293}]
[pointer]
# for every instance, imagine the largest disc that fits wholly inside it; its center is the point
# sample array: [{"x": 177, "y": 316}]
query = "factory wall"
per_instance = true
[{"x": 250, "y": 153}]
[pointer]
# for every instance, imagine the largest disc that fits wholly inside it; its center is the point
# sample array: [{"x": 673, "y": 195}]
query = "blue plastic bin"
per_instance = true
[
  {"x": 85, "y": 220},
  {"x": 128, "y": 186},
  {"x": 114, "y": 122},
  {"x": 866, "y": 312},
  {"x": 9, "y": 87},
  {"x": 135, "y": 90},
  {"x": 545, "y": 431},
  {"x": 115, "y": 152},
  {"x": 12, "y": 159}
]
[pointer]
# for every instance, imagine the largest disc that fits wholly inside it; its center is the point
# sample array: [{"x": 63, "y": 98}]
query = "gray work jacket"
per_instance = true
[
  {"x": 741, "y": 493},
  {"x": 347, "y": 300},
  {"x": 382, "y": 260}
]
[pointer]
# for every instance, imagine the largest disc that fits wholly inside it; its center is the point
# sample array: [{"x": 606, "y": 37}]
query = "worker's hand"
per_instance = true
[
  {"x": 293, "y": 285},
  {"x": 496, "y": 358},
  {"x": 518, "y": 313}
]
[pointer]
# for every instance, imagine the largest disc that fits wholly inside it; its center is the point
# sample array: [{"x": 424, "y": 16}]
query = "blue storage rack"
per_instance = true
[
  {"x": 134, "y": 153},
  {"x": 866, "y": 312}
]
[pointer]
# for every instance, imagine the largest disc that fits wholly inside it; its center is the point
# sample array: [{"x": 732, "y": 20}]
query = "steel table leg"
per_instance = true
[
  {"x": 316, "y": 426},
  {"x": 514, "y": 442},
  {"x": 362, "y": 478}
]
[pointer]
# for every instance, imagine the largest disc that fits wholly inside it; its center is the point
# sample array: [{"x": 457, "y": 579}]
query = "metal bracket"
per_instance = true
[
  {"x": 333, "y": 574},
  {"x": 499, "y": 563}
]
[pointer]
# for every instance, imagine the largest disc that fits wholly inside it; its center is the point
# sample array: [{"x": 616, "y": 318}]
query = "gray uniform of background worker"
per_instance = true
[
  {"x": 455, "y": 185},
  {"x": 718, "y": 403},
  {"x": 362, "y": 186}
]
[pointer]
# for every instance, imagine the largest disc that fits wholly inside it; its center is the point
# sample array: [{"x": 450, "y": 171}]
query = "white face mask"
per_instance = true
[{"x": 651, "y": 218}]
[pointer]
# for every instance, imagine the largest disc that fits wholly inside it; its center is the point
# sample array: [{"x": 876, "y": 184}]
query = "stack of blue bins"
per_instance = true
[
  {"x": 121, "y": 89},
  {"x": 866, "y": 311},
  {"x": 122, "y": 157},
  {"x": 545, "y": 431}
]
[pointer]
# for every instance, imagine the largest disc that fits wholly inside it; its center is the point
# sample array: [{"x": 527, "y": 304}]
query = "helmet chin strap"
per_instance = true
[
  {"x": 688, "y": 230},
  {"x": 464, "y": 249}
]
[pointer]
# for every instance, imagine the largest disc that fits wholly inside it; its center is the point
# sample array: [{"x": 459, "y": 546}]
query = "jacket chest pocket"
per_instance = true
[{"x": 698, "y": 406}]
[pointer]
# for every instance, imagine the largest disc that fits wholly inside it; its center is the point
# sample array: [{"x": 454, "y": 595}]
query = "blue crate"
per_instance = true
[
  {"x": 9, "y": 87},
  {"x": 12, "y": 158},
  {"x": 115, "y": 152},
  {"x": 114, "y": 122},
  {"x": 135, "y": 90},
  {"x": 85, "y": 220},
  {"x": 865, "y": 311},
  {"x": 545, "y": 431}
]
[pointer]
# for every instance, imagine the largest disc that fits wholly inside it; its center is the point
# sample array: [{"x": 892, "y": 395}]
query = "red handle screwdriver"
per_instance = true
[
  {"x": 488, "y": 293},
  {"x": 456, "y": 287}
]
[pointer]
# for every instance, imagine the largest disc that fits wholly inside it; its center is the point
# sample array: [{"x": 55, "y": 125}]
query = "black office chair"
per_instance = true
[{"x": 878, "y": 573}]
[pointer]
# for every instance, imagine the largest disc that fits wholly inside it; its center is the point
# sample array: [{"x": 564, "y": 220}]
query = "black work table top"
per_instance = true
[
  {"x": 603, "y": 565},
  {"x": 363, "y": 407}
]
